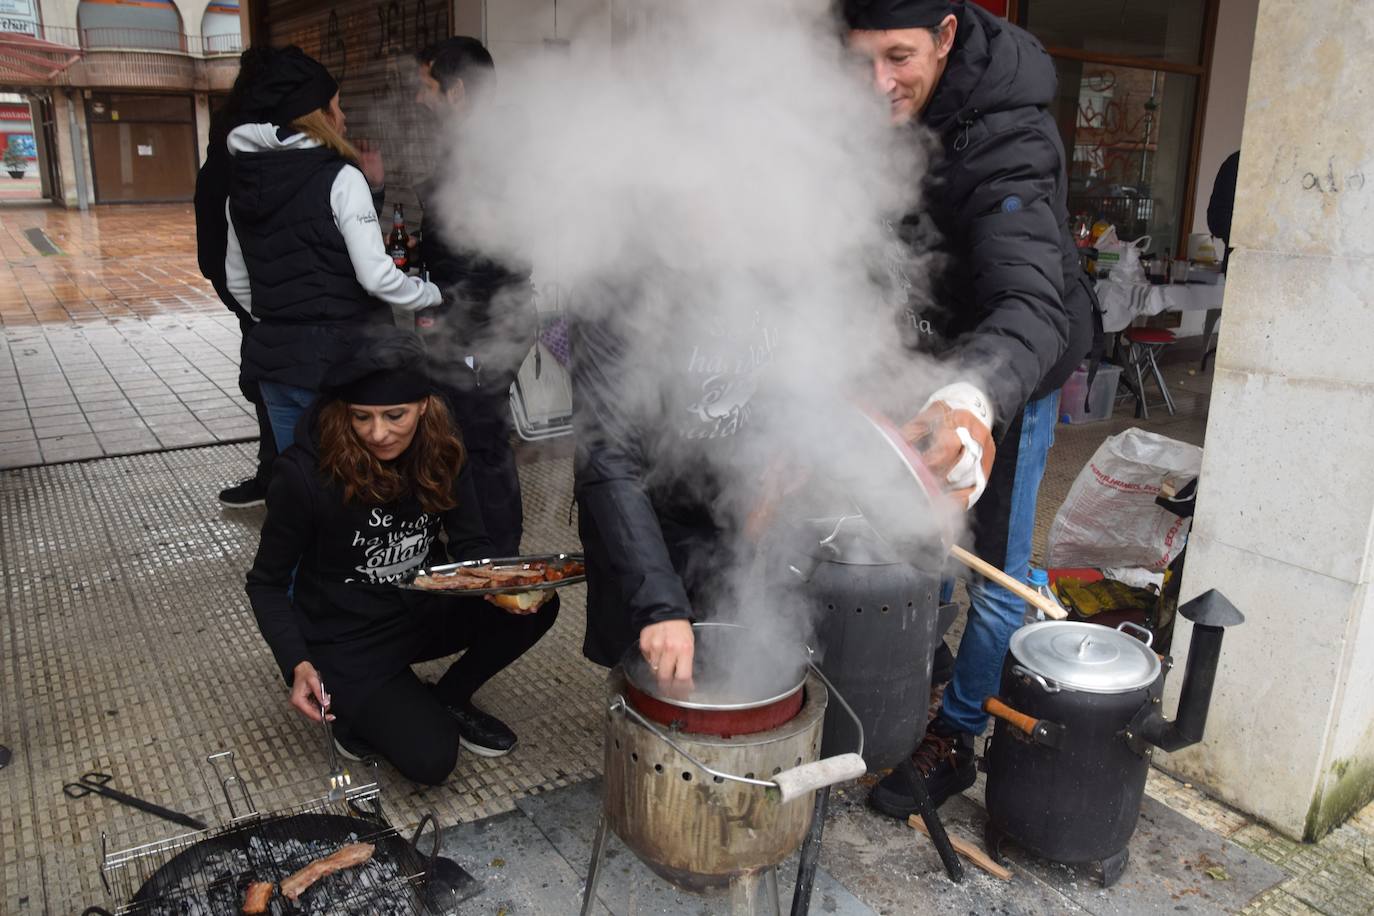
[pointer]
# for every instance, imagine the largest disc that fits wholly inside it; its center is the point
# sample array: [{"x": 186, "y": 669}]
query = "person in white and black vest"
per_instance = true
[
  {"x": 376, "y": 471},
  {"x": 1010, "y": 308},
  {"x": 304, "y": 253}
]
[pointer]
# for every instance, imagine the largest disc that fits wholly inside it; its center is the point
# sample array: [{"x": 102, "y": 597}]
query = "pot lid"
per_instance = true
[
  {"x": 1085, "y": 656},
  {"x": 734, "y": 667}
]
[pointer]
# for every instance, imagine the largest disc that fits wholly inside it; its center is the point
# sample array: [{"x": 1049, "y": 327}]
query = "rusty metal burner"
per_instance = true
[{"x": 714, "y": 814}]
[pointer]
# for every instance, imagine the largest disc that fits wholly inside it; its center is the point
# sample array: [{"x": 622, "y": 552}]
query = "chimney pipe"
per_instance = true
[{"x": 1211, "y": 614}]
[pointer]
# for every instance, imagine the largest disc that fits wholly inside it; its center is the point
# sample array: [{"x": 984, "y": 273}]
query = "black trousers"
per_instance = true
[
  {"x": 482, "y": 412},
  {"x": 267, "y": 443},
  {"x": 405, "y": 721}
]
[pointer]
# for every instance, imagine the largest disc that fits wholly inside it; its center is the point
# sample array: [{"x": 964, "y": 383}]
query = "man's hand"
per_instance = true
[
  {"x": 307, "y": 693},
  {"x": 370, "y": 161},
  {"x": 668, "y": 648},
  {"x": 954, "y": 436}
]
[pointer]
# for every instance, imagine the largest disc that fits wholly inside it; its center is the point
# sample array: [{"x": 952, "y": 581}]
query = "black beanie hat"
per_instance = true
[
  {"x": 881, "y": 15},
  {"x": 290, "y": 83},
  {"x": 389, "y": 368}
]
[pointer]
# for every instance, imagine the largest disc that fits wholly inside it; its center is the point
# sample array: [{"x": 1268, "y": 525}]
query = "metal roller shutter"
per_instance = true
[{"x": 369, "y": 47}]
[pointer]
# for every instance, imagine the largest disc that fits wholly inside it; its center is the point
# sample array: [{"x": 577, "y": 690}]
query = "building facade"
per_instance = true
[{"x": 120, "y": 91}]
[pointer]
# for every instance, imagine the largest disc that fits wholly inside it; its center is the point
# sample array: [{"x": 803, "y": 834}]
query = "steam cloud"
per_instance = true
[{"x": 719, "y": 169}]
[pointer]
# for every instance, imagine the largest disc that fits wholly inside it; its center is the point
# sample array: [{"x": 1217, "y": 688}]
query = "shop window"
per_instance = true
[
  {"x": 141, "y": 25},
  {"x": 1129, "y": 82},
  {"x": 220, "y": 27}
]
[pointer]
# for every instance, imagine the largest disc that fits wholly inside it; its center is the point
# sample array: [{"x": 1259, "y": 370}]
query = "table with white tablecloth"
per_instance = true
[{"x": 1123, "y": 303}]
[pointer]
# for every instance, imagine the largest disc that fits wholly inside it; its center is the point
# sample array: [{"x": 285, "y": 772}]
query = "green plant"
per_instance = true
[{"x": 14, "y": 160}]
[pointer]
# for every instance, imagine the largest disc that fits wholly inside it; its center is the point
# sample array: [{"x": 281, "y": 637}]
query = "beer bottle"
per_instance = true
[{"x": 398, "y": 243}]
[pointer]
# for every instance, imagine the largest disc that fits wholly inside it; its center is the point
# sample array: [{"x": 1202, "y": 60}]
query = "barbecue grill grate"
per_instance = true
[{"x": 208, "y": 871}]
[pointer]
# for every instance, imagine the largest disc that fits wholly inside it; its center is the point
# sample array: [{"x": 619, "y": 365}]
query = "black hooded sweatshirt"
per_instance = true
[
  {"x": 344, "y": 617},
  {"x": 1012, "y": 305}
]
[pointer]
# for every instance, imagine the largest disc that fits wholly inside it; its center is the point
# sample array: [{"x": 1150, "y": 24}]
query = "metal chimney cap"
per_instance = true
[{"x": 1212, "y": 609}]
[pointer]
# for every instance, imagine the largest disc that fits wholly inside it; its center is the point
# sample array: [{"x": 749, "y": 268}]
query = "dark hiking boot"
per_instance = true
[{"x": 943, "y": 761}]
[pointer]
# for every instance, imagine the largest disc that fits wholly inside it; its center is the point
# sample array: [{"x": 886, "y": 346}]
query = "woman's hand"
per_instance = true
[
  {"x": 668, "y": 647},
  {"x": 307, "y": 693}
]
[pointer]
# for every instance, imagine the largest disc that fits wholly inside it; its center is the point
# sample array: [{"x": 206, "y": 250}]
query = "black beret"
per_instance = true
[
  {"x": 388, "y": 368},
  {"x": 881, "y": 15},
  {"x": 290, "y": 83}
]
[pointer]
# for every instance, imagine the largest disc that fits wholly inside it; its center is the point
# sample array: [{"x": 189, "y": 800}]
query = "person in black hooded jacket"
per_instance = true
[
  {"x": 480, "y": 335},
  {"x": 355, "y": 504},
  {"x": 212, "y": 239},
  {"x": 1011, "y": 309}
]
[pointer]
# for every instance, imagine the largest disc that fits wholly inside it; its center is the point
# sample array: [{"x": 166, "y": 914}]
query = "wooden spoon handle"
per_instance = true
[{"x": 988, "y": 571}]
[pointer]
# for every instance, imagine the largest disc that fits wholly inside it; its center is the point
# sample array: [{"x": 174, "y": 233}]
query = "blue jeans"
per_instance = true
[
  {"x": 994, "y": 612},
  {"x": 285, "y": 404}
]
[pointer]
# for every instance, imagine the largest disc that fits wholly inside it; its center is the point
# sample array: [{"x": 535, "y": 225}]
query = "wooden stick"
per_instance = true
[
  {"x": 968, "y": 850},
  {"x": 1020, "y": 589}
]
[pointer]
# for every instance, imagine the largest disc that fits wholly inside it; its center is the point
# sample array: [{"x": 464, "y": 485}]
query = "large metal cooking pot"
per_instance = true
[
  {"x": 744, "y": 680},
  {"x": 1079, "y": 708}
]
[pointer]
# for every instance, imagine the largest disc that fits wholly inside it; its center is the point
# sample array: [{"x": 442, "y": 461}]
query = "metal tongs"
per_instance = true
[{"x": 339, "y": 779}]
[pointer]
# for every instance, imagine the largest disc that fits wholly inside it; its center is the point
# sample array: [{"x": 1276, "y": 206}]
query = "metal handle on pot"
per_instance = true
[
  {"x": 790, "y": 783},
  {"x": 1127, "y": 625},
  {"x": 1045, "y": 685}
]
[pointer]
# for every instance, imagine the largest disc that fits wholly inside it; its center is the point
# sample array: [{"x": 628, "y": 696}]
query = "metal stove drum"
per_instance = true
[{"x": 715, "y": 789}]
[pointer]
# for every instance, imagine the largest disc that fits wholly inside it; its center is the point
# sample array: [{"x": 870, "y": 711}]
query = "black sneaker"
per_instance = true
[
  {"x": 243, "y": 495},
  {"x": 483, "y": 734},
  {"x": 943, "y": 761}
]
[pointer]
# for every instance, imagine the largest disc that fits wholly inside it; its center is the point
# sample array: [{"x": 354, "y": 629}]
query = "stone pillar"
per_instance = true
[{"x": 1286, "y": 498}]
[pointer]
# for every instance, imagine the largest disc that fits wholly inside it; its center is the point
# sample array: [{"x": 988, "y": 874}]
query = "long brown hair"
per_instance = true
[
  {"x": 427, "y": 468},
  {"x": 318, "y": 125}
]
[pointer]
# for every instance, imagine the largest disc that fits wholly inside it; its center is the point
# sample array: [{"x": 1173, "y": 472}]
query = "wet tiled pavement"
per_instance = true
[{"x": 114, "y": 344}]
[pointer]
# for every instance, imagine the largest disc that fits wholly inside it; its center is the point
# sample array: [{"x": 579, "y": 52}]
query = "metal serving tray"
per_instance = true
[{"x": 551, "y": 559}]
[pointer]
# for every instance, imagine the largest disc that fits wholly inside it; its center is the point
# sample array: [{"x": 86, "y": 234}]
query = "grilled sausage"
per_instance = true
[{"x": 350, "y": 856}]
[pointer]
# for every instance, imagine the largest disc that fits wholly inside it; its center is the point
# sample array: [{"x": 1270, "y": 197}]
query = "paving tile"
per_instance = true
[
  {"x": 13, "y": 436},
  {"x": 54, "y": 427},
  {"x": 15, "y": 457}
]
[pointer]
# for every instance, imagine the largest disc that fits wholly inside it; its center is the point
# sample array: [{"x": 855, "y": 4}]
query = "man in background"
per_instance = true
[
  {"x": 1009, "y": 310},
  {"x": 480, "y": 335}
]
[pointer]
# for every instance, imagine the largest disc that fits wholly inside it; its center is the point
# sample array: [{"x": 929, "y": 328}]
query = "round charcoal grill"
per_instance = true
[
  {"x": 213, "y": 875},
  {"x": 207, "y": 873}
]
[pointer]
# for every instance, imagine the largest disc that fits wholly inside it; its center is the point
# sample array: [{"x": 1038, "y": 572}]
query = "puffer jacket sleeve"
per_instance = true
[
  {"x": 610, "y": 484},
  {"x": 1006, "y": 185}
]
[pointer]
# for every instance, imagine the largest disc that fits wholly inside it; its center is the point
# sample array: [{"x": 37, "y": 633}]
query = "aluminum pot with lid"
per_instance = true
[
  {"x": 1078, "y": 715},
  {"x": 1065, "y": 777}
]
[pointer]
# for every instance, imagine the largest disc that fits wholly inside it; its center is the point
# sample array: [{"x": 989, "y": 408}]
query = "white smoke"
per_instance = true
[{"x": 724, "y": 166}]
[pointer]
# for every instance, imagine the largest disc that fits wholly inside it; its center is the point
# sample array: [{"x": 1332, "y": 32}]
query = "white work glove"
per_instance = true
[{"x": 954, "y": 433}]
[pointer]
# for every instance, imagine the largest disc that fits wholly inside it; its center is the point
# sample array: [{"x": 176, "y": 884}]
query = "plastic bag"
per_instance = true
[
  {"x": 1122, "y": 259},
  {"x": 1110, "y": 518}
]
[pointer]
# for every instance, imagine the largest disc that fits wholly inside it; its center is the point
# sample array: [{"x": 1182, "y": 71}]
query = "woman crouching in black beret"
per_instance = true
[{"x": 354, "y": 505}]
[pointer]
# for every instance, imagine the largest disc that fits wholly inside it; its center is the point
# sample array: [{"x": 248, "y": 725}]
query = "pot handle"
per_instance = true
[
  {"x": 1040, "y": 731},
  {"x": 1045, "y": 685},
  {"x": 790, "y": 784},
  {"x": 1148, "y": 636}
]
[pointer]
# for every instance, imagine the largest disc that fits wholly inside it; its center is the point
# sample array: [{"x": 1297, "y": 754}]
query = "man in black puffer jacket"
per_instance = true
[
  {"x": 1010, "y": 308},
  {"x": 487, "y": 323}
]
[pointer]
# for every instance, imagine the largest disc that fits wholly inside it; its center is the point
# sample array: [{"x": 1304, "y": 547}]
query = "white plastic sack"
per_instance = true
[
  {"x": 1110, "y": 518},
  {"x": 1122, "y": 258}
]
